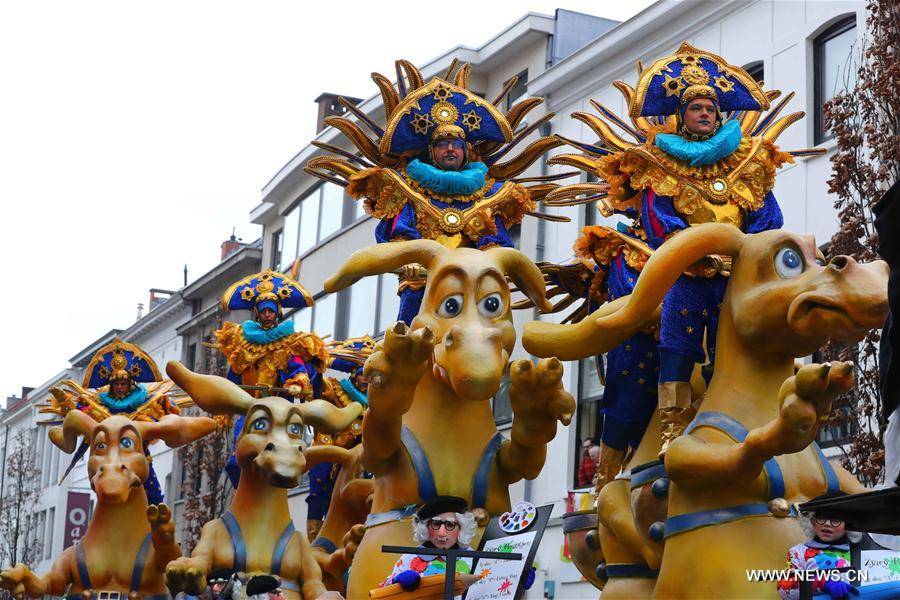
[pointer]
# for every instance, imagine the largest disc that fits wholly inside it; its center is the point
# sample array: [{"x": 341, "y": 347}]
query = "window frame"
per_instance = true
[
  {"x": 584, "y": 401},
  {"x": 842, "y": 25}
]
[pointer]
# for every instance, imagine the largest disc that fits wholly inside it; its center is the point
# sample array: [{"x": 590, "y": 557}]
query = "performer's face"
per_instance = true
[
  {"x": 700, "y": 116},
  {"x": 361, "y": 383},
  {"x": 119, "y": 388},
  {"x": 829, "y": 530},
  {"x": 449, "y": 154},
  {"x": 447, "y": 532},
  {"x": 267, "y": 318}
]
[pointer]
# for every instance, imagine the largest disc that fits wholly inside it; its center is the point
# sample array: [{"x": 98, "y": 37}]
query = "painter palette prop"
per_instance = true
[{"x": 519, "y": 530}]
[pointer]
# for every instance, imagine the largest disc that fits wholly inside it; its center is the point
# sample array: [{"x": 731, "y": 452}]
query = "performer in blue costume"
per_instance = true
[
  {"x": 265, "y": 354},
  {"x": 121, "y": 379},
  {"x": 704, "y": 153},
  {"x": 433, "y": 171}
]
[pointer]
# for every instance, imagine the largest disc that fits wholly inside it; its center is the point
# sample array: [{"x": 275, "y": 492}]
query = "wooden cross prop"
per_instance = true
[{"x": 452, "y": 554}]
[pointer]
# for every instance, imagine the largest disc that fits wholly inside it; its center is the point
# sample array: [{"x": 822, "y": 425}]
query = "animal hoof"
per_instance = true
[
  {"x": 600, "y": 572},
  {"x": 660, "y": 488},
  {"x": 657, "y": 532}
]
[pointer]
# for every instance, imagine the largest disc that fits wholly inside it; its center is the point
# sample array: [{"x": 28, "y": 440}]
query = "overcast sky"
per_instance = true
[{"x": 135, "y": 135}]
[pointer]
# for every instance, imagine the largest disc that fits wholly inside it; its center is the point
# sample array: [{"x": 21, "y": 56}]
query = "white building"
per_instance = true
[{"x": 794, "y": 46}]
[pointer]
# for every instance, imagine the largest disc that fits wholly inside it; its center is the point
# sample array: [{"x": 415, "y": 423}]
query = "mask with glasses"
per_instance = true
[
  {"x": 436, "y": 524},
  {"x": 829, "y": 522}
]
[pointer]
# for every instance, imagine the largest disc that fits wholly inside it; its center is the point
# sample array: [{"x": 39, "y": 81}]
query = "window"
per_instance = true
[
  {"x": 276, "y": 249},
  {"x": 190, "y": 357},
  {"x": 324, "y": 313},
  {"x": 48, "y": 535},
  {"x": 502, "y": 406},
  {"x": 291, "y": 234},
  {"x": 388, "y": 302},
  {"x": 363, "y": 307},
  {"x": 332, "y": 210},
  {"x": 591, "y": 214},
  {"x": 588, "y": 420},
  {"x": 518, "y": 91},
  {"x": 756, "y": 71},
  {"x": 832, "y": 54},
  {"x": 309, "y": 222},
  {"x": 303, "y": 319}
]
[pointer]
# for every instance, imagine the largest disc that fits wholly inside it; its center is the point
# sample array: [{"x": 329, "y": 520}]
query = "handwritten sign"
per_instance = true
[
  {"x": 506, "y": 578},
  {"x": 880, "y": 566}
]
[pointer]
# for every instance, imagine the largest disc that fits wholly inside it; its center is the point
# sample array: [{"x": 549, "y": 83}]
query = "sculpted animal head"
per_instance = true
[
  {"x": 117, "y": 465},
  {"x": 466, "y": 305},
  {"x": 783, "y": 297},
  {"x": 271, "y": 442}
]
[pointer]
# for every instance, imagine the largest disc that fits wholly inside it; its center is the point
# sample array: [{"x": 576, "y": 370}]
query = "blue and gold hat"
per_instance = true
[
  {"x": 349, "y": 355},
  {"x": 440, "y": 110},
  {"x": 690, "y": 73},
  {"x": 120, "y": 360},
  {"x": 263, "y": 288}
]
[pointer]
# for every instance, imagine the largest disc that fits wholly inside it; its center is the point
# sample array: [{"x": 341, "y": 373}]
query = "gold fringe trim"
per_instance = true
[{"x": 267, "y": 359}]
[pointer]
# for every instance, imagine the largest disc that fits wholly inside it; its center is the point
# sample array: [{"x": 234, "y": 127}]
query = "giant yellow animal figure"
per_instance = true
[
  {"x": 749, "y": 454},
  {"x": 127, "y": 544},
  {"x": 429, "y": 429}
]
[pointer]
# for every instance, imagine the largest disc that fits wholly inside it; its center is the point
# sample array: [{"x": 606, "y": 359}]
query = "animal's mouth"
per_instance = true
[{"x": 816, "y": 314}]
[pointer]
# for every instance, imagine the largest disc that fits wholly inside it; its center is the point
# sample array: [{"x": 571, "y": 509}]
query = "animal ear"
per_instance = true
[
  {"x": 175, "y": 430},
  {"x": 325, "y": 417},
  {"x": 668, "y": 263},
  {"x": 524, "y": 273},
  {"x": 213, "y": 394},
  {"x": 382, "y": 258},
  {"x": 76, "y": 423}
]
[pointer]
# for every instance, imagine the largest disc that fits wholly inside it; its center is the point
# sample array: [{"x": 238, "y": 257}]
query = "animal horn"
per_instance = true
[
  {"x": 668, "y": 263},
  {"x": 325, "y": 417},
  {"x": 322, "y": 454},
  {"x": 525, "y": 274},
  {"x": 175, "y": 430},
  {"x": 76, "y": 423},
  {"x": 382, "y": 258},
  {"x": 213, "y": 394}
]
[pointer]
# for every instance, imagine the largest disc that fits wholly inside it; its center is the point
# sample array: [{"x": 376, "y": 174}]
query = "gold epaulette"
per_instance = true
[{"x": 267, "y": 359}]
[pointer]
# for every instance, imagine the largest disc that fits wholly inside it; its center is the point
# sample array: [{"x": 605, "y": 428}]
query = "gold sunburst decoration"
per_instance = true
[
  {"x": 247, "y": 293},
  {"x": 421, "y": 123},
  {"x": 118, "y": 360},
  {"x": 471, "y": 120},
  {"x": 265, "y": 286},
  {"x": 723, "y": 83},
  {"x": 673, "y": 86},
  {"x": 695, "y": 75},
  {"x": 444, "y": 113},
  {"x": 284, "y": 291},
  {"x": 135, "y": 371}
]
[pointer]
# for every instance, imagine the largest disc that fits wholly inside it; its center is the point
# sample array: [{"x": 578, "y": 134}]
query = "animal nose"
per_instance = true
[
  {"x": 840, "y": 262},
  {"x": 270, "y": 447}
]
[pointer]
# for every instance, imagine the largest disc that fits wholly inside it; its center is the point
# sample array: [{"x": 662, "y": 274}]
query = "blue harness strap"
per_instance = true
[
  {"x": 830, "y": 476},
  {"x": 480, "y": 481},
  {"x": 647, "y": 473},
  {"x": 738, "y": 432},
  {"x": 138, "y": 571},
  {"x": 280, "y": 547},
  {"x": 716, "y": 516},
  {"x": 325, "y": 544},
  {"x": 82, "y": 567},
  {"x": 427, "y": 489},
  {"x": 238, "y": 549}
]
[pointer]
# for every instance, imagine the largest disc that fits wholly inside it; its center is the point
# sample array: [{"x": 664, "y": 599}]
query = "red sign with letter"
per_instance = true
[{"x": 78, "y": 514}]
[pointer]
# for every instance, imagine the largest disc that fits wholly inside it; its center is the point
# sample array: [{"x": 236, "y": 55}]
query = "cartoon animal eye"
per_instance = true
[
  {"x": 260, "y": 424},
  {"x": 451, "y": 306},
  {"x": 127, "y": 443},
  {"x": 295, "y": 429},
  {"x": 100, "y": 446},
  {"x": 788, "y": 263},
  {"x": 491, "y": 306}
]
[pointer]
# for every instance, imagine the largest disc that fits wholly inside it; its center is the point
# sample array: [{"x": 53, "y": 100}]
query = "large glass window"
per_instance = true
[
  {"x": 834, "y": 73},
  {"x": 588, "y": 420},
  {"x": 309, "y": 222},
  {"x": 324, "y": 312},
  {"x": 518, "y": 91},
  {"x": 303, "y": 319},
  {"x": 276, "y": 250},
  {"x": 332, "y": 209},
  {"x": 388, "y": 302},
  {"x": 756, "y": 70},
  {"x": 363, "y": 306},
  {"x": 291, "y": 231}
]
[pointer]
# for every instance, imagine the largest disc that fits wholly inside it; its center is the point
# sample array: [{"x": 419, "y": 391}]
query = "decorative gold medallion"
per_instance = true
[
  {"x": 695, "y": 75},
  {"x": 471, "y": 120},
  {"x": 444, "y": 113},
  {"x": 723, "y": 83},
  {"x": 284, "y": 291},
  {"x": 247, "y": 293},
  {"x": 718, "y": 189},
  {"x": 673, "y": 86},
  {"x": 451, "y": 220}
]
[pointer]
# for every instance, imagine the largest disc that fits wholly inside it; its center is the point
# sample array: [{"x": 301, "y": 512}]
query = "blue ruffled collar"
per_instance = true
[
  {"x": 255, "y": 334},
  {"x": 464, "y": 182},
  {"x": 354, "y": 393},
  {"x": 725, "y": 142},
  {"x": 129, "y": 403}
]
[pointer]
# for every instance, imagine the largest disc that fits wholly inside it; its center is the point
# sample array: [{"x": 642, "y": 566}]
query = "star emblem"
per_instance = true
[
  {"x": 640, "y": 365},
  {"x": 683, "y": 312},
  {"x": 442, "y": 92},
  {"x": 628, "y": 347},
  {"x": 471, "y": 120},
  {"x": 723, "y": 83},
  {"x": 626, "y": 372},
  {"x": 642, "y": 381},
  {"x": 421, "y": 122},
  {"x": 247, "y": 293},
  {"x": 673, "y": 86},
  {"x": 689, "y": 329}
]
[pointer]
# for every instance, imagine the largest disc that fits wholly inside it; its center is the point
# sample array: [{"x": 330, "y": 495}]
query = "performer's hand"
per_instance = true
[
  {"x": 530, "y": 576},
  {"x": 839, "y": 590},
  {"x": 408, "y": 580},
  {"x": 297, "y": 392},
  {"x": 538, "y": 400}
]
